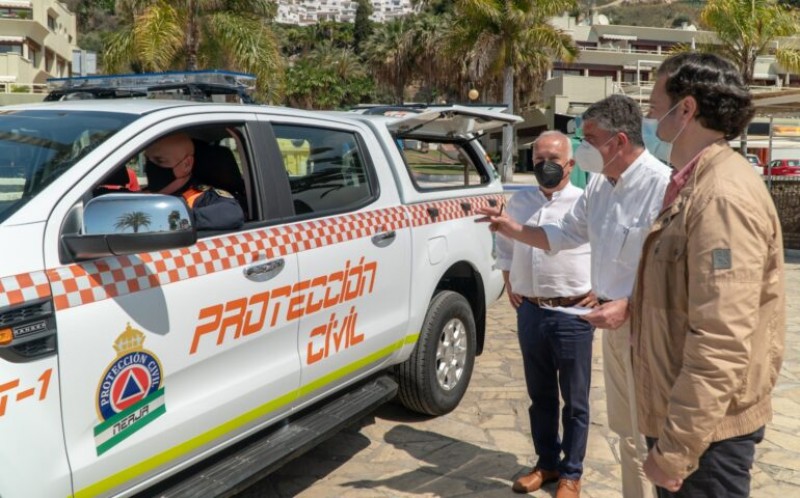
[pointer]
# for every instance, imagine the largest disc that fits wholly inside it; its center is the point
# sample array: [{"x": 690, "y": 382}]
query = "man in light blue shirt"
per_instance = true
[{"x": 613, "y": 215}]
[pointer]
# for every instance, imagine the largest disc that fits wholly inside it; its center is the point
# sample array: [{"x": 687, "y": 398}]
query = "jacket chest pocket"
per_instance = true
[
  {"x": 667, "y": 275},
  {"x": 670, "y": 248}
]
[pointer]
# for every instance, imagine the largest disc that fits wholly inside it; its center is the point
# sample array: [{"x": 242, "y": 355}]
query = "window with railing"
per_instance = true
[
  {"x": 15, "y": 13},
  {"x": 566, "y": 72}
]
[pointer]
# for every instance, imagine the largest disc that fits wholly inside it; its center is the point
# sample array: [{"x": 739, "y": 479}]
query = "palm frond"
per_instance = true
[
  {"x": 119, "y": 52},
  {"x": 250, "y": 46},
  {"x": 158, "y": 36}
]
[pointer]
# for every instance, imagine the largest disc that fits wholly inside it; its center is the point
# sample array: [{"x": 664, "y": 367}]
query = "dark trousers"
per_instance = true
[
  {"x": 557, "y": 355},
  {"x": 724, "y": 469}
]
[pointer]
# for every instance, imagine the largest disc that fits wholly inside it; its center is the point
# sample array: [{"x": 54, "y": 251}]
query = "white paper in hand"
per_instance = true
[{"x": 574, "y": 310}]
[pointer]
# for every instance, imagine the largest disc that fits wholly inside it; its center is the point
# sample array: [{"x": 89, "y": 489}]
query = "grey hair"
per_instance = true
[
  {"x": 556, "y": 134},
  {"x": 617, "y": 113}
]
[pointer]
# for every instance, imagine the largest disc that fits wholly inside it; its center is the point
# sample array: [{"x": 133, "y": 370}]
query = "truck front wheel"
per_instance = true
[{"x": 433, "y": 380}]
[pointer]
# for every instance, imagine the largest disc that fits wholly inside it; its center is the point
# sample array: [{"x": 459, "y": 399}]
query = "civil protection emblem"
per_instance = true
[{"x": 130, "y": 394}]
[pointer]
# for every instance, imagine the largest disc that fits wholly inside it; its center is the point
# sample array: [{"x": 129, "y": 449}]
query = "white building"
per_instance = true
[
  {"x": 37, "y": 38},
  {"x": 306, "y": 12}
]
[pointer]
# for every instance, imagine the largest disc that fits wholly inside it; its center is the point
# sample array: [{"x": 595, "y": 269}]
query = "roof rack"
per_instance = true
[{"x": 185, "y": 85}]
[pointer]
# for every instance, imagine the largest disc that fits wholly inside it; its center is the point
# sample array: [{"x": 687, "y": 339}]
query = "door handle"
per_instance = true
[
  {"x": 384, "y": 239},
  {"x": 264, "y": 271}
]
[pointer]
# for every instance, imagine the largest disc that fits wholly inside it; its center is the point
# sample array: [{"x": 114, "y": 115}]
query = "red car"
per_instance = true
[{"x": 781, "y": 167}]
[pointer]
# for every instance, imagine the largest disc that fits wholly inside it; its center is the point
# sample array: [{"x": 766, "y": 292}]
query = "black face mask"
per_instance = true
[{"x": 548, "y": 174}]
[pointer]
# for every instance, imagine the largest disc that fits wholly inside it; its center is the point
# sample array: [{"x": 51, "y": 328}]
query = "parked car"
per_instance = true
[
  {"x": 756, "y": 162},
  {"x": 133, "y": 346},
  {"x": 781, "y": 167}
]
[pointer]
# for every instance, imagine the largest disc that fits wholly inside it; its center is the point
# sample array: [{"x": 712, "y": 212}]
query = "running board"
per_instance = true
[{"x": 246, "y": 466}]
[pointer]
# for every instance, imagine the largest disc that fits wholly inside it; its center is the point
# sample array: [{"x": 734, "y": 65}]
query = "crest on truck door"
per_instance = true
[{"x": 130, "y": 394}]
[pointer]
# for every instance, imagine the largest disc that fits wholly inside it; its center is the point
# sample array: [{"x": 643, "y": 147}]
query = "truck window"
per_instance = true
[
  {"x": 326, "y": 169},
  {"x": 441, "y": 165},
  {"x": 37, "y": 147}
]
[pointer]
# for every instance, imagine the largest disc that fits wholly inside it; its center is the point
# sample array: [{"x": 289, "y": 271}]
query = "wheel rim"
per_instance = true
[{"x": 451, "y": 354}]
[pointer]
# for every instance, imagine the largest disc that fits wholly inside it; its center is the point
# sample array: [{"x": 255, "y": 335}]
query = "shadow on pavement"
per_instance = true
[
  {"x": 306, "y": 470},
  {"x": 448, "y": 467}
]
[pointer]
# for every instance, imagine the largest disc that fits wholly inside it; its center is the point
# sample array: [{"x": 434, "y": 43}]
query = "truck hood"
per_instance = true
[{"x": 25, "y": 253}]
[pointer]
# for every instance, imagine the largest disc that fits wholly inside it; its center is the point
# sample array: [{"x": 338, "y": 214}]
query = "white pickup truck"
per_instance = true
[{"x": 133, "y": 347}]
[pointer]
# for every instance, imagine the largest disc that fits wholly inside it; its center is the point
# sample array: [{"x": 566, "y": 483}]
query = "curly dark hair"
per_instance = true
[
  {"x": 724, "y": 102},
  {"x": 617, "y": 113}
]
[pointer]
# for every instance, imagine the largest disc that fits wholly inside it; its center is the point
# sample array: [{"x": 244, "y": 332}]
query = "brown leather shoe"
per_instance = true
[
  {"x": 568, "y": 488},
  {"x": 535, "y": 480}
]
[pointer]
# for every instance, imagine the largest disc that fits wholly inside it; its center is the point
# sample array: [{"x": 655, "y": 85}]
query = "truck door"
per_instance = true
[
  {"x": 354, "y": 253},
  {"x": 166, "y": 355}
]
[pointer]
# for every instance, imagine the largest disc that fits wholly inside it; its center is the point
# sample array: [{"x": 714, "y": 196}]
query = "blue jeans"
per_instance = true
[
  {"x": 557, "y": 355},
  {"x": 724, "y": 469}
]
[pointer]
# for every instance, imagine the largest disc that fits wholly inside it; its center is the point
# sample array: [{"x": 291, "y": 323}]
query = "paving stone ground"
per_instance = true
[{"x": 480, "y": 448}]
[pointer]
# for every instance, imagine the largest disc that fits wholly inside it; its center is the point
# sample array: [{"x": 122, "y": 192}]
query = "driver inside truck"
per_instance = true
[{"x": 213, "y": 208}]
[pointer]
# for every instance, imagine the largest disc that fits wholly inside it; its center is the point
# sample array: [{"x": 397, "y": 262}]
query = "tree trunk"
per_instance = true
[
  {"x": 192, "y": 37},
  {"x": 750, "y": 69},
  {"x": 507, "y": 168}
]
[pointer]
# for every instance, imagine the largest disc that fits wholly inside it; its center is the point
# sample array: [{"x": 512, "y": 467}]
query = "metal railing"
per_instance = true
[
  {"x": 23, "y": 88},
  {"x": 624, "y": 50}
]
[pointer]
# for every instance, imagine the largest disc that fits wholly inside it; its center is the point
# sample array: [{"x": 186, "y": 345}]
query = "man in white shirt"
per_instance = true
[
  {"x": 556, "y": 346},
  {"x": 614, "y": 214}
]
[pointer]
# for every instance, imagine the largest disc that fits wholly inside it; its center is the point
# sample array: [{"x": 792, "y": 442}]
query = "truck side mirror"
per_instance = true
[{"x": 118, "y": 224}]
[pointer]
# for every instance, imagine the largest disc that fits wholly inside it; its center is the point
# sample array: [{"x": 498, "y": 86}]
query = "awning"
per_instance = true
[
  {"x": 11, "y": 39},
  {"x": 611, "y": 36},
  {"x": 781, "y": 102}
]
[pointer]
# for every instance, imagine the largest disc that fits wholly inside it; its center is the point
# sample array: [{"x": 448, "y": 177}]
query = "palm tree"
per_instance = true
[
  {"x": 749, "y": 28},
  {"x": 329, "y": 77},
  {"x": 134, "y": 220},
  {"x": 746, "y": 29},
  {"x": 509, "y": 37},
  {"x": 158, "y": 35},
  {"x": 392, "y": 52},
  {"x": 439, "y": 73}
]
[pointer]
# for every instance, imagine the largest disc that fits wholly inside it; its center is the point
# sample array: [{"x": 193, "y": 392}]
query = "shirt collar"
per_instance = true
[
  {"x": 629, "y": 171},
  {"x": 681, "y": 175},
  {"x": 555, "y": 195}
]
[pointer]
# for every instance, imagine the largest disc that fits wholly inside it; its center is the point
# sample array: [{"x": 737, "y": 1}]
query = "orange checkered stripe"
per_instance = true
[
  {"x": 25, "y": 287},
  {"x": 85, "y": 283},
  {"x": 329, "y": 231},
  {"x": 451, "y": 209}
]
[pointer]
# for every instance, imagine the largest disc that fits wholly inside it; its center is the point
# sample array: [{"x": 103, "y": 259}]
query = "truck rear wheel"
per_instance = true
[{"x": 433, "y": 380}]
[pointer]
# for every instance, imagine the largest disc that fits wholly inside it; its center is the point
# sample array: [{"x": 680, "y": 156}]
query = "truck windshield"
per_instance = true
[{"x": 38, "y": 146}]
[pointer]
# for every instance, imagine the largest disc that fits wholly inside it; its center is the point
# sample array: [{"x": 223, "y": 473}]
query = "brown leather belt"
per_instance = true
[{"x": 564, "y": 302}]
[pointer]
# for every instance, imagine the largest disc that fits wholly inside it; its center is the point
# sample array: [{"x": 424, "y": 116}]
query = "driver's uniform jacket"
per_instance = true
[
  {"x": 708, "y": 314},
  {"x": 212, "y": 208}
]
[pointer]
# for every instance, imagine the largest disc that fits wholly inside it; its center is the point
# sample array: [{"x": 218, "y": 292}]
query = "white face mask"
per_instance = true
[{"x": 589, "y": 158}]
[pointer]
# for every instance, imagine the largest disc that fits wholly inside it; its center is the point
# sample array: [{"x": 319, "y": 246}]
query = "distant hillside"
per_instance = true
[{"x": 658, "y": 15}]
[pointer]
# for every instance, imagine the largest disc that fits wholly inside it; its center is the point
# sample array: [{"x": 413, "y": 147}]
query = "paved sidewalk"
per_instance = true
[{"x": 479, "y": 449}]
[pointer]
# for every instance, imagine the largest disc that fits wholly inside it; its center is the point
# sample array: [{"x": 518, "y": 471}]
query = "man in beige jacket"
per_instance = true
[{"x": 708, "y": 315}]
